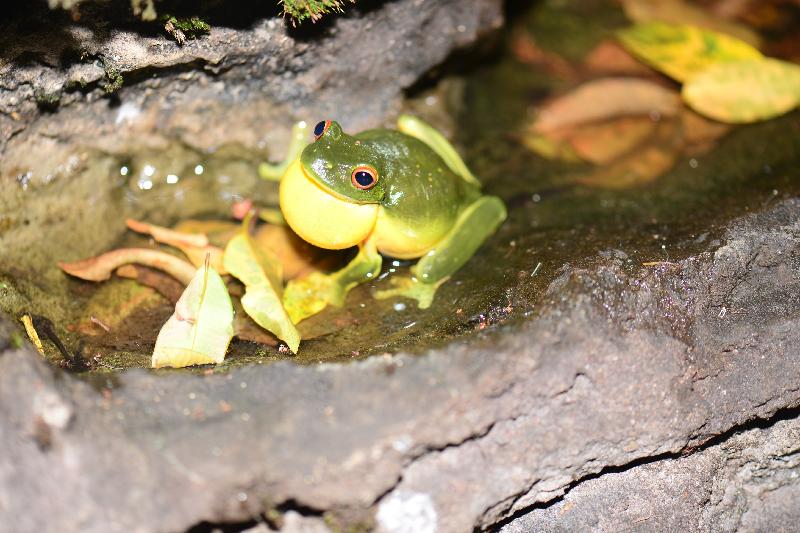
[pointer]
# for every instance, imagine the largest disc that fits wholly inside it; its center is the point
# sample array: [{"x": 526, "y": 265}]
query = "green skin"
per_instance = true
[{"x": 423, "y": 187}]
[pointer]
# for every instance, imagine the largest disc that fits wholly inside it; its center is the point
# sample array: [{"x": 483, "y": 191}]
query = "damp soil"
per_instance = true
[{"x": 553, "y": 224}]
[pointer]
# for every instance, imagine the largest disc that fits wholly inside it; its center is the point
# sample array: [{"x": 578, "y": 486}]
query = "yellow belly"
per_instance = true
[
  {"x": 398, "y": 239},
  {"x": 319, "y": 217}
]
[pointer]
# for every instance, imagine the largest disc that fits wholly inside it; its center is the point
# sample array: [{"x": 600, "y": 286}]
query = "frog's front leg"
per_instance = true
[
  {"x": 475, "y": 224},
  {"x": 297, "y": 143},
  {"x": 310, "y": 295}
]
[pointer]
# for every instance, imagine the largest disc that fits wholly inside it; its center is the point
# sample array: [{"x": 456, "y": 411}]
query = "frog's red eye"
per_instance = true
[
  {"x": 364, "y": 177},
  {"x": 321, "y": 128}
]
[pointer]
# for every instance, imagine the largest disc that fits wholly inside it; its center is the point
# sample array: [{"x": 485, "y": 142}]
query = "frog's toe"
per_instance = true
[{"x": 408, "y": 287}]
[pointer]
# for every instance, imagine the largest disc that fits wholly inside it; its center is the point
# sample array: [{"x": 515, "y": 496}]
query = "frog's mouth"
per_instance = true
[{"x": 321, "y": 218}]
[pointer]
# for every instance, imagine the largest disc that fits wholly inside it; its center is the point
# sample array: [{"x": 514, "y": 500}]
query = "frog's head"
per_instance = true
[{"x": 331, "y": 194}]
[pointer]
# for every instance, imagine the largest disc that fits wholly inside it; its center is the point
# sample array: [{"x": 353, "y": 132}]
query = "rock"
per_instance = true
[
  {"x": 748, "y": 482},
  {"x": 622, "y": 366}
]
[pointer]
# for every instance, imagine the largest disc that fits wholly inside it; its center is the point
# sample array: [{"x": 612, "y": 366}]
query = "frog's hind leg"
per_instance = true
[
  {"x": 475, "y": 224},
  {"x": 430, "y": 136},
  {"x": 297, "y": 143},
  {"x": 310, "y": 295}
]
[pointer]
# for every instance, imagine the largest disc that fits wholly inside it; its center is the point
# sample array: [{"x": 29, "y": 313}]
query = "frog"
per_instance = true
[{"x": 402, "y": 193}]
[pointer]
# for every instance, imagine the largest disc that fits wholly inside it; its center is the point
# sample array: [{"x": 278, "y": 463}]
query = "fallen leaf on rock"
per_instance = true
[
  {"x": 682, "y": 12},
  {"x": 745, "y": 91},
  {"x": 219, "y": 232},
  {"x": 168, "y": 236},
  {"x": 699, "y": 133},
  {"x": 607, "y": 98},
  {"x": 297, "y": 257},
  {"x": 306, "y": 296},
  {"x": 260, "y": 271},
  {"x": 610, "y": 58},
  {"x": 604, "y": 142},
  {"x": 164, "y": 284},
  {"x": 682, "y": 51},
  {"x": 114, "y": 302},
  {"x": 638, "y": 168},
  {"x": 194, "y": 245},
  {"x": 552, "y": 145},
  {"x": 100, "y": 268},
  {"x": 202, "y": 326}
]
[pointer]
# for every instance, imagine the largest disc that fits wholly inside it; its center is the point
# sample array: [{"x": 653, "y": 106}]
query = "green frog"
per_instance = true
[{"x": 402, "y": 193}]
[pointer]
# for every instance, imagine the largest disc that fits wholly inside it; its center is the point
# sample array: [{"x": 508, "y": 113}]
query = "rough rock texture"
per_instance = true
[
  {"x": 748, "y": 482},
  {"x": 622, "y": 365},
  {"x": 265, "y": 76}
]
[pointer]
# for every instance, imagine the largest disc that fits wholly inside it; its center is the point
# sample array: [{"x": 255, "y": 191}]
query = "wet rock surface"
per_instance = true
[{"x": 625, "y": 370}]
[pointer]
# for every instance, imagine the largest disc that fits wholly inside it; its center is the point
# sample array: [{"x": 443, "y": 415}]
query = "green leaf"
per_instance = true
[
  {"x": 745, "y": 91},
  {"x": 201, "y": 328},
  {"x": 682, "y": 51},
  {"x": 261, "y": 273}
]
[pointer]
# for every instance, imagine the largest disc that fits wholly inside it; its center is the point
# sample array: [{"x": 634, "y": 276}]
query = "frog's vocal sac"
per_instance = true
[{"x": 403, "y": 193}]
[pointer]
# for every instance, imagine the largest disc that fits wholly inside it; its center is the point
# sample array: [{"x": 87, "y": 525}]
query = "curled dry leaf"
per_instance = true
[
  {"x": 194, "y": 245},
  {"x": 260, "y": 271},
  {"x": 745, "y": 91},
  {"x": 164, "y": 284},
  {"x": 607, "y": 98},
  {"x": 100, "y": 268},
  {"x": 297, "y": 257},
  {"x": 604, "y": 142},
  {"x": 201, "y": 328},
  {"x": 682, "y": 12},
  {"x": 682, "y": 51},
  {"x": 218, "y": 232},
  {"x": 610, "y": 58}
]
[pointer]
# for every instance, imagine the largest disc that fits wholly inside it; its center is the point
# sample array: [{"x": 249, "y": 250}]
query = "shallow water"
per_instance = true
[{"x": 552, "y": 221}]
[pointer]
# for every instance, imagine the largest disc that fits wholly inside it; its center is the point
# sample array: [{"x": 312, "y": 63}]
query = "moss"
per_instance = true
[
  {"x": 47, "y": 100},
  {"x": 182, "y": 29},
  {"x": 297, "y": 10},
  {"x": 300, "y": 10},
  {"x": 113, "y": 81}
]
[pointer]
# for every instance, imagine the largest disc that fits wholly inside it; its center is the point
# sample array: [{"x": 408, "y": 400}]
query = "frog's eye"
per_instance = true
[
  {"x": 364, "y": 177},
  {"x": 321, "y": 128}
]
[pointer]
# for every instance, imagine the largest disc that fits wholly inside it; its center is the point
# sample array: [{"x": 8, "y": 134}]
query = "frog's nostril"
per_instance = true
[{"x": 321, "y": 128}]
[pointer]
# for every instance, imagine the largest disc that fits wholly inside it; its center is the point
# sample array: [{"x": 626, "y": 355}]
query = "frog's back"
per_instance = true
[{"x": 423, "y": 196}]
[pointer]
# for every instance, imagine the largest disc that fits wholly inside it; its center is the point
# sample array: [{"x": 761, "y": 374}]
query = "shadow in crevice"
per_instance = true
[{"x": 787, "y": 413}]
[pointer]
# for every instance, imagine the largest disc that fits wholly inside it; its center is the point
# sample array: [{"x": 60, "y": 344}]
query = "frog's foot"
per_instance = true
[
  {"x": 411, "y": 287},
  {"x": 308, "y": 296},
  {"x": 298, "y": 141}
]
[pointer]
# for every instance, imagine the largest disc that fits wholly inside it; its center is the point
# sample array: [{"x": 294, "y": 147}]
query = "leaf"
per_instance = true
[
  {"x": 296, "y": 256},
  {"x": 114, "y": 302},
  {"x": 604, "y": 142},
  {"x": 682, "y": 51},
  {"x": 164, "y": 284},
  {"x": 681, "y": 12},
  {"x": 194, "y": 245},
  {"x": 610, "y": 58},
  {"x": 607, "y": 98},
  {"x": 638, "y": 168},
  {"x": 219, "y": 232},
  {"x": 100, "y": 268},
  {"x": 745, "y": 91},
  {"x": 260, "y": 271},
  {"x": 201, "y": 328},
  {"x": 32, "y": 334},
  {"x": 307, "y": 296}
]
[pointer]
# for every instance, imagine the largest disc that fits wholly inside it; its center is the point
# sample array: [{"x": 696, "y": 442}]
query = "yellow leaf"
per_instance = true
[
  {"x": 261, "y": 273},
  {"x": 682, "y": 51},
  {"x": 201, "y": 328},
  {"x": 682, "y": 12},
  {"x": 745, "y": 91},
  {"x": 32, "y": 334}
]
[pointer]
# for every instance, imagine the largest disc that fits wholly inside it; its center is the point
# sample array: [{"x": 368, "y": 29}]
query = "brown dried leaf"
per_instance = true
[
  {"x": 604, "y": 142},
  {"x": 164, "y": 284},
  {"x": 607, "y": 98},
  {"x": 194, "y": 245},
  {"x": 296, "y": 256},
  {"x": 100, "y": 268},
  {"x": 610, "y": 58},
  {"x": 638, "y": 168}
]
